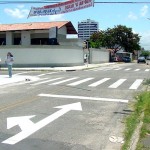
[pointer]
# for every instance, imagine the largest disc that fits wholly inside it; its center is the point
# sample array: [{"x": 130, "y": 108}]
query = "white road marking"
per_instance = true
[
  {"x": 136, "y": 69},
  {"x": 20, "y": 73},
  {"x": 136, "y": 84},
  {"x": 85, "y": 98},
  {"x": 79, "y": 82},
  {"x": 107, "y": 69},
  {"x": 32, "y": 81},
  {"x": 128, "y": 69},
  {"x": 28, "y": 127},
  {"x": 46, "y": 81},
  {"x": 118, "y": 69},
  {"x": 117, "y": 83},
  {"x": 99, "y": 82},
  {"x": 95, "y": 69},
  {"x": 40, "y": 75},
  {"x": 147, "y": 70},
  {"x": 59, "y": 82}
]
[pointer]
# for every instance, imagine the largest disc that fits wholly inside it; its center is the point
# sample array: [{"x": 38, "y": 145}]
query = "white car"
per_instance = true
[{"x": 148, "y": 60}]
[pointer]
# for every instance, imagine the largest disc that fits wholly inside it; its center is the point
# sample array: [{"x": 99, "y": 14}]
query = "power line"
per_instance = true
[
  {"x": 122, "y": 2},
  {"x": 58, "y": 1},
  {"x": 27, "y": 2}
]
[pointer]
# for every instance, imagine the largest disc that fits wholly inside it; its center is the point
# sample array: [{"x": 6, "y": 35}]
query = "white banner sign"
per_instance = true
[{"x": 60, "y": 8}]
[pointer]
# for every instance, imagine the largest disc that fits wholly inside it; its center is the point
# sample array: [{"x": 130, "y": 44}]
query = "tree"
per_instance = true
[
  {"x": 119, "y": 37},
  {"x": 145, "y": 53},
  {"x": 97, "y": 39}
]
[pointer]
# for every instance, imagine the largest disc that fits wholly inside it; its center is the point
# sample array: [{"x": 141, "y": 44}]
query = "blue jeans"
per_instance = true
[{"x": 10, "y": 70}]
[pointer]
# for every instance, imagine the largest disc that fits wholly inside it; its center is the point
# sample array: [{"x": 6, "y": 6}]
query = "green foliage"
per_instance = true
[
  {"x": 96, "y": 40},
  {"x": 131, "y": 124},
  {"x": 141, "y": 105},
  {"x": 116, "y": 38},
  {"x": 145, "y": 53}
]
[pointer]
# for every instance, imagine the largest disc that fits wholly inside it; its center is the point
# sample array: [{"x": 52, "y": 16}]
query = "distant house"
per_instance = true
[{"x": 36, "y": 33}]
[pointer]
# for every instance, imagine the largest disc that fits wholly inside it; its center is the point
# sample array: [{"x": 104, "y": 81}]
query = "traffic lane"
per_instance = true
[{"x": 89, "y": 128}]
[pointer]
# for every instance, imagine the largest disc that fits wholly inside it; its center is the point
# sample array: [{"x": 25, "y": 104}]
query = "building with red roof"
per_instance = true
[{"x": 35, "y": 33}]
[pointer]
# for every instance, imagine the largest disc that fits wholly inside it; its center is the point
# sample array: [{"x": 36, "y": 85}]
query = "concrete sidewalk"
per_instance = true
[
  {"x": 5, "y": 80},
  {"x": 74, "y": 68}
]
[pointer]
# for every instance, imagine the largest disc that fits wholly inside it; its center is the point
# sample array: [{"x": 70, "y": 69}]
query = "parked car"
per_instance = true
[
  {"x": 126, "y": 59},
  {"x": 117, "y": 59},
  {"x": 148, "y": 60},
  {"x": 141, "y": 59}
]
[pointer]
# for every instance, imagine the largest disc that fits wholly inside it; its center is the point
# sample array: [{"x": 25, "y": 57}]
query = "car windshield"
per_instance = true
[{"x": 141, "y": 57}]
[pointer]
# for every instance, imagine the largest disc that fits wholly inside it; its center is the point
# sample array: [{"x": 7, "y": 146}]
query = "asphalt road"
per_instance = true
[{"x": 96, "y": 101}]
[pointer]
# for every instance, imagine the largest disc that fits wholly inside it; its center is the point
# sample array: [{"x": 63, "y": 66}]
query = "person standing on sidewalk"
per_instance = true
[
  {"x": 9, "y": 62},
  {"x": 0, "y": 63}
]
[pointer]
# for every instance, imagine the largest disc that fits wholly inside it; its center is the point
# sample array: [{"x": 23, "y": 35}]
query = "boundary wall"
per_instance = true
[{"x": 51, "y": 56}]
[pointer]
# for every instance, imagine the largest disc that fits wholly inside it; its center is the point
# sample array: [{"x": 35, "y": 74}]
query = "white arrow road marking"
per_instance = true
[
  {"x": 85, "y": 98},
  {"x": 24, "y": 122},
  {"x": 29, "y": 128}
]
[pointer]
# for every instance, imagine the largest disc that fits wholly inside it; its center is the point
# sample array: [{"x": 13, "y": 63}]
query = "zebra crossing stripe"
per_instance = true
[
  {"x": 136, "y": 69},
  {"x": 99, "y": 82},
  {"x": 127, "y": 69},
  {"x": 59, "y": 82},
  {"x": 147, "y": 70},
  {"x": 85, "y": 98},
  {"x": 136, "y": 84},
  {"x": 117, "y": 83},
  {"x": 46, "y": 81},
  {"x": 40, "y": 75},
  {"x": 79, "y": 82},
  {"x": 20, "y": 73},
  {"x": 118, "y": 69}
]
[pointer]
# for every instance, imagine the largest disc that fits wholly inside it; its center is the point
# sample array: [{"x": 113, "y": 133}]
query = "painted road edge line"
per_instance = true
[{"x": 85, "y": 98}]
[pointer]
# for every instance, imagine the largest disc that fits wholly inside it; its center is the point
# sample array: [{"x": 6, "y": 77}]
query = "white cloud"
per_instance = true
[
  {"x": 17, "y": 12},
  {"x": 132, "y": 16},
  {"x": 20, "y": 6},
  {"x": 59, "y": 17},
  {"x": 145, "y": 42},
  {"x": 144, "y": 11}
]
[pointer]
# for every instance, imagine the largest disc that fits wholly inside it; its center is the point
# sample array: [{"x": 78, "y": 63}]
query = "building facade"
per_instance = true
[
  {"x": 36, "y": 33},
  {"x": 44, "y": 44},
  {"x": 86, "y": 28}
]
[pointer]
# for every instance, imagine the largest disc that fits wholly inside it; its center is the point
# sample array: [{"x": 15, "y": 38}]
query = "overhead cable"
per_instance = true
[{"x": 58, "y": 1}]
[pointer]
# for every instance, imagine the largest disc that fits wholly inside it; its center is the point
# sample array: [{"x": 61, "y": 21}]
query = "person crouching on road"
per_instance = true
[{"x": 9, "y": 61}]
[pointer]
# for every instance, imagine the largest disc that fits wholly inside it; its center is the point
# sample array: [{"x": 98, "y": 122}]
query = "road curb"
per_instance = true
[{"x": 136, "y": 135}]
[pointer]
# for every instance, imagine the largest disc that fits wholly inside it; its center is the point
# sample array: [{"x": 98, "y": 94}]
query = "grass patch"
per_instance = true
[
  {"x": 141, "y": 105},
  {"x": 146, "y": 82}
]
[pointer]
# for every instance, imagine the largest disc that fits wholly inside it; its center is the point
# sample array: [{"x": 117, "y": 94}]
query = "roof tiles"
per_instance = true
[{"x": 37, "y": 26}]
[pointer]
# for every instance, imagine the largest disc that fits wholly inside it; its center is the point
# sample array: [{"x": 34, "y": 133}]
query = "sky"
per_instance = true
[{"x": 133, "y": 16}]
